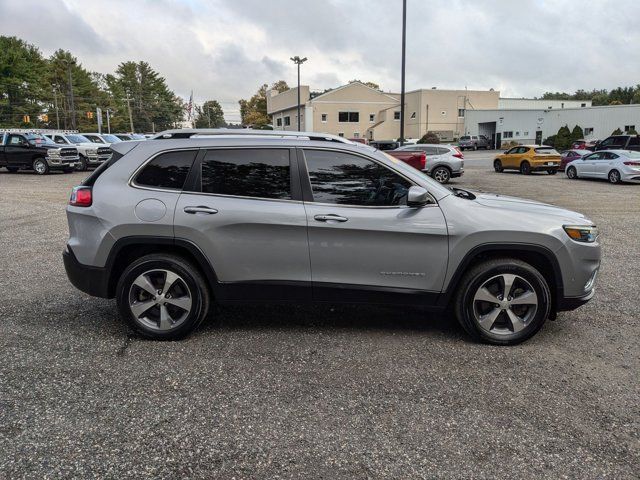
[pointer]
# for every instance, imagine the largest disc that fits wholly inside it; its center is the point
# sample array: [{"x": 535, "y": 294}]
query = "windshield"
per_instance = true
[
  {"x": 137, "y": 136},
  {"x": 465, "y": 138},
  {"x": 36, "y": 139},
  {"x": 111, "y": 138},
  {"x": 78, "y": 139}
]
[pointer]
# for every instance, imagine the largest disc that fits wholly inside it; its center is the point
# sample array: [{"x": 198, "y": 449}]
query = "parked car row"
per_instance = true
[
  {"x": 47, "y": 151},
  {"x": 441, "y": 162},
  {"x": 616, "y": 166}
]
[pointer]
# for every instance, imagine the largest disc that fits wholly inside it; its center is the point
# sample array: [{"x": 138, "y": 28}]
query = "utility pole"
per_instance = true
[
  {"x": 55, "y": 102},
  {"x": 108, "y": 121},
  {"x": 298, "y": 61},
  {"x": 209, "y": 116},
  {"x": 129, "y": 108},
  {"x": 404, "y": 46},
  {"x": 72, "y": 101}
]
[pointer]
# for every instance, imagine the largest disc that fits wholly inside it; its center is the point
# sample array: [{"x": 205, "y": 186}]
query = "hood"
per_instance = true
[
  {"x": 89, "y": 145},
  {"x": 523, "y": 205}
]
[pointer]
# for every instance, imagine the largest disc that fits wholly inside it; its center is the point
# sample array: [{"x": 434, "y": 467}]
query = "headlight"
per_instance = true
[{"x": 582, "y": 233}]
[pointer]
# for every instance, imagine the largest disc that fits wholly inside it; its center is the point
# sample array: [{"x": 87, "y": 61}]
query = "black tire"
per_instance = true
[
  {"x": 196, "y": 288},
  {"x": 572, "y": 173},
  {"x": 441, "y": 175},
  {"x": 497, "y": 165},
  {"x": 466, "y": 308},
  {"x": 525, "y": 168},
  {"x": 475, "y": 147},
  {"x": 552, "y": 172},
  {"x": 614, "y": 176},
  {"x": 40, "y": 166},
  {"x": 82, "y": 164},
  {"x": 12, "y": 169}
]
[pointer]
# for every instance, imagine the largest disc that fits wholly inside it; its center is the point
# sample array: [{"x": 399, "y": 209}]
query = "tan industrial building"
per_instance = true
[{"x": 358, "y": 111}]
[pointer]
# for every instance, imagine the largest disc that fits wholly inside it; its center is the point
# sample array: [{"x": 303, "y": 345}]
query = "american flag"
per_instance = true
[{"x": 190, "y": 106}]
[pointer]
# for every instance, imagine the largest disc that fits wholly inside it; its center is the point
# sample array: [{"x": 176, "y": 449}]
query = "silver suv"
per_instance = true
[{"x": 168, "y": 226}]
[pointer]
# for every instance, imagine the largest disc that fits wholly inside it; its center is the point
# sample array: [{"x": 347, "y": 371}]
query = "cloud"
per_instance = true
[{"x": 225, "y": 50}]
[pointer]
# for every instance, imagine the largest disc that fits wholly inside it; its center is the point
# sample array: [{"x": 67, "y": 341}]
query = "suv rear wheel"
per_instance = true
[
  {"x": 503, "y": 301},
  {"x": 441, "y": 174},
  {"x": 525, "y": 168},
  {"x": 163, "y": 297},
  {"x": 497, "y": 165}
]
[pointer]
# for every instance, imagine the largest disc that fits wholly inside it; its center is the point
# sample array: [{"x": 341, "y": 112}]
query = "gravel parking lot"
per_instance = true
[{"x": 314, "y": 391}]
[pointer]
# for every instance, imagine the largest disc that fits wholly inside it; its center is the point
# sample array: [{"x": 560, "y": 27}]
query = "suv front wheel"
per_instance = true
[
  {"x": 163, "y": 297},
  {"x": 503, "y": 301}
]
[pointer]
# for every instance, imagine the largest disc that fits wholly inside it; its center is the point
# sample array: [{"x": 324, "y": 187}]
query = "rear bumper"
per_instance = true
[{"x": 86, "y": 278}]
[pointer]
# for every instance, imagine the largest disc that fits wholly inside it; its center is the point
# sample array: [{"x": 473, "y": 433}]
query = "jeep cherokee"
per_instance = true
[{"x": 170, "y": 225}]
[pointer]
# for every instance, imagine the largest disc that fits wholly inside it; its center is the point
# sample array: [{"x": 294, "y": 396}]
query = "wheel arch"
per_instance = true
[
  {"x": 537, "y": 256},
  {"x": 127, "y": 249}
]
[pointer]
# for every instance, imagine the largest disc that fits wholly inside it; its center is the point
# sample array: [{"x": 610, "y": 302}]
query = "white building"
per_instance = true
[
  {"x": 534, "y": 125},
  {"x": 534, "y": 103}
]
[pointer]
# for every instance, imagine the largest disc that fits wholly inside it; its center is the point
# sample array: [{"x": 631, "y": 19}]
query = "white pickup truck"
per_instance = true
[{"x": 91, "y": 154}]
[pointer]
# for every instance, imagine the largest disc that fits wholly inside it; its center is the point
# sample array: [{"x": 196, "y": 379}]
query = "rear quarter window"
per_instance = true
[
  {"x": 546, "y": 151},
  {"x": 168, "y": 170}
]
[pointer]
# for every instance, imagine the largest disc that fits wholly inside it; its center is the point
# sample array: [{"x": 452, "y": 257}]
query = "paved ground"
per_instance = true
[{"x": 314, "y": 392}]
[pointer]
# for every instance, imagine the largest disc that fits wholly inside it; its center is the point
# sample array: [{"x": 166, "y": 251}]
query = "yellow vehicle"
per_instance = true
[{"x": 527, "y": 159}]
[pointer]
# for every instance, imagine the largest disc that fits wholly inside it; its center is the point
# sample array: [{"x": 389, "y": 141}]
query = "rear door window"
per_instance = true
[
  {"x": 168, "y": 170},
  {"x": 259, "y": 173}
]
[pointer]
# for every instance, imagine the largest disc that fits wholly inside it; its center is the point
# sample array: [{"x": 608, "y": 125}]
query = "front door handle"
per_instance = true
[
  {"x": 200, "y": 209},
  {"x": 330, "y": 218}
]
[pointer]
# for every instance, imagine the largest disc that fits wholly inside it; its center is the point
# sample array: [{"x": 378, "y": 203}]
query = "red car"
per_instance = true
[
  {"x": 584, "y": 145},
  {"x": 569, "y": 156}
]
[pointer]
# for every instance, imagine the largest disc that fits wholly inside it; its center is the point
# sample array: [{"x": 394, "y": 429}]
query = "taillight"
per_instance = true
[
  {"x": 423, "y": 161},
  {"x": 633, "y": 164},
  {"x": 458, "y": 153},
  {"x": 81, "y": 197}
]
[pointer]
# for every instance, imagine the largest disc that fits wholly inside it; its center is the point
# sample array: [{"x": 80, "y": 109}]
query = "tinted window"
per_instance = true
[
  {"x": 351, "y": 180},
  {"x": 614, "y": 142},
  {"x": 167, "y": 170},
  {"x": 442, "y": 151},
  {"x": 634, "y": 141},
  {"x": 247, "y": 173}
]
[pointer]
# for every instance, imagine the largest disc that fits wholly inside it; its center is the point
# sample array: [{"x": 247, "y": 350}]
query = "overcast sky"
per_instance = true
[{"x": 225, "y": 49}]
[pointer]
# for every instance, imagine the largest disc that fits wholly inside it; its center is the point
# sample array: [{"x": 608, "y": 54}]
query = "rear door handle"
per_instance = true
[
  {"x": 330, "y": 218},
  {"x": 200, "y": 209}
]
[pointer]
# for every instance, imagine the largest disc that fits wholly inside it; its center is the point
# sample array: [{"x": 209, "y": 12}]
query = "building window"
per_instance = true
[
  {"x": 517, "y": 134},
  {"x": 588, "y": 131},
  {"x": 396, "y": 115},
  {"x": 348, "y": 117},
  {"x": 341, "y": 134},
  {"x": 460, "y": 112},
  {"x": 372, "y": 117},
  {"x": 583, "y": 105},
  {"x": 287, "y": 121},
  {"x": 525, "y": 134},
  {"x": 356, "y": 134},
  {"x": 507, "y": 134},
  {"x": 323, "y": 118},
  {"x": 628, "y": 128},
  {"x": 562, "y": 105},
  {"x": 413, "y": 115},
  {"x": 278, "y": 122}
]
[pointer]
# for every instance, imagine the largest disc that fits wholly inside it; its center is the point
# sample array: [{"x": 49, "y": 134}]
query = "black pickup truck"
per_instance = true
[{"x": 32, "y": 151}]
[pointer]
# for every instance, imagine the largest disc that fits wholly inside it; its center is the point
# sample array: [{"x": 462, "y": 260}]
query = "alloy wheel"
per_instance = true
[
  {"x": 441, "y": 175},
  {"x": 614, "y": 176},
  {"x": 40, "y": 167},
  {"x": 505, "y": 304},
  {"x": 571, "y": 173},
  {"x": 160, "y": 299}
]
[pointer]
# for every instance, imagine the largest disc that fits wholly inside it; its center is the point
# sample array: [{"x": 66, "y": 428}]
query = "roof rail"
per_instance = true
[{"x": 208, "y": 132}]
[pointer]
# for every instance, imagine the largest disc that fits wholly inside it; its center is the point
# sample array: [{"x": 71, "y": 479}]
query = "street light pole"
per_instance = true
[
  {"x": 298, "y": 61},
  {"x": 71, "y": 99},
  {"x": 404, "y": 46}
]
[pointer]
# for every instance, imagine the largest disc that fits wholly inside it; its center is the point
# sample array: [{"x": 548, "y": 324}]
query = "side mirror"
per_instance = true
[{"x": 417, "y": 196}]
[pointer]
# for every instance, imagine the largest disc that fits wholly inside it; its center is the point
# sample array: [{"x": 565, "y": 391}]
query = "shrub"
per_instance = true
[{"x": 429, "y": 137}]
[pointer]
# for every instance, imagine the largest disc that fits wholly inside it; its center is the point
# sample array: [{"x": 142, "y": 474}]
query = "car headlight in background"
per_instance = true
[{"x": 582, "y": 233}]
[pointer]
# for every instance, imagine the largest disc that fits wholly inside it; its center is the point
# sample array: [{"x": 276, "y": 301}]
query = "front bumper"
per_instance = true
[
  {"x": 88, "y": 279},
  {"x": 59, "y": 163},
  {"x": 97, "y": 159},
  {"x": 571, "y": 303}
]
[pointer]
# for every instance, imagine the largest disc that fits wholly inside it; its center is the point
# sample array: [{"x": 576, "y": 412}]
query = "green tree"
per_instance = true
[
  {"x": 429, "y": 137},
  {"x": 153, "y": 105},
  {"x": 577, "y": 133},
  {"x": 563, "y": 138},
  {"x": 617, "y": 131},
  {"x": 550, "y": 141},
  {"x": 22, "y": 85},
  {"x": 209, "y": 115},
  {"x": 254, "y": 111}
]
